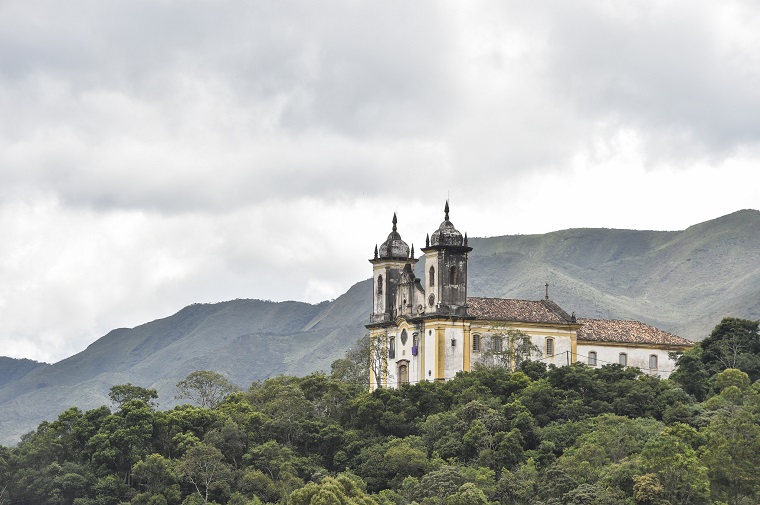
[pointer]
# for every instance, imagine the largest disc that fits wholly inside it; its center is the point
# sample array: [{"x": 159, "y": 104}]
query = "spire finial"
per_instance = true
[
  {"x": 411, "y": 255},
  {"x": 375, "y": 251},
  {"x": 427, "y": 240},
  {"x": 394, "y": 221},
  {"x": 465, "y": 239},
  {"x": 446, "y": 209},
  {"x": 547, "y": 290}
]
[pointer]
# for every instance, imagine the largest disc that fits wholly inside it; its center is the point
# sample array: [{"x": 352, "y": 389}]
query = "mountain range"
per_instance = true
[{"x": 684, "y": 282}]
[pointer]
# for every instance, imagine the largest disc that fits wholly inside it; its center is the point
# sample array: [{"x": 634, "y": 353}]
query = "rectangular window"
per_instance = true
[
  {"x": 653, "y": 362},
  {"x": 476, "y": 343},
  {"x": 623, "y": 359},
  {"x": 592, "y": 358},
  {"x": 549, "y": 347},
  {"x": 526, "y": 345},
  {"x": 497, "y": 344}
]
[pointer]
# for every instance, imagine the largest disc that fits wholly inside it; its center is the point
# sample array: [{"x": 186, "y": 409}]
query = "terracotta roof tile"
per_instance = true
[
  {"x": 636, "y": 332},
  {"x": 507, "y": 309}
]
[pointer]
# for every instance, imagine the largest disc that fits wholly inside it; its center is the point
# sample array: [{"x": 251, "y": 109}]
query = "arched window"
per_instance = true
[
  {"x": 403, "y": 374},
  {"x": 476, "y": 343},
  {"x": 592, "y": 358},
  {"x": 431, "y": 274},
  {"x": 379, "y": 284},
  {"x": 453, "y": 276},
  {"x": 653, "y": 362},
  {"x": 392, "y": 348},
  {"x": 549, "y": 347},
  {"x": 623, "y": 359}
]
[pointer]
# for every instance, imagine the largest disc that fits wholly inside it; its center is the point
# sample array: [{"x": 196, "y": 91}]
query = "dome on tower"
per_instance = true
[
  {"x": 446, "y": 234},
  {"x": 394, "y": 247}
]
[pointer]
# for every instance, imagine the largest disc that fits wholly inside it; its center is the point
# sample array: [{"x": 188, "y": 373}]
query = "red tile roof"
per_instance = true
[
  {"x": 635, "y": 332},
  {"x": 526, "y": 311}
]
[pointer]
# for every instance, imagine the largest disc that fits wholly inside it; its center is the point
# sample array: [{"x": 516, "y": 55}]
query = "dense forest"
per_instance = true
[{"x": 571, "y": 435}]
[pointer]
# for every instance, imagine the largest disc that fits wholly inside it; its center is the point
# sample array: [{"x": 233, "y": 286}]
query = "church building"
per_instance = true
[{"x": 426, "y": 329}]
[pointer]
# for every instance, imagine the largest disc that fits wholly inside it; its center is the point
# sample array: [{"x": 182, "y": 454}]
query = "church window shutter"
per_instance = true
[
  {"x": 476, "y": 343},
  {"x": 549, "y": 347},
  {"x": 623, "y": 359},
  {"x": 592, "y": 358}
]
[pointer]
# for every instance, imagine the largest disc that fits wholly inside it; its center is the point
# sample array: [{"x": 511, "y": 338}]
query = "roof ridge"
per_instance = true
[
  {"x": 499, "y": 298},
  {"x": 551, "y": 305}
]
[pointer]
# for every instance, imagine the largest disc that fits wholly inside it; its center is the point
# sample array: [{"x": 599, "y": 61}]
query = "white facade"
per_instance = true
[{"x": 651, "y": 360}]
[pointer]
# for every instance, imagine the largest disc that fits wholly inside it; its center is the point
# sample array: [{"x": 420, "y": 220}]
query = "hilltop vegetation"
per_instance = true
[{"x": 570, "y": 435}]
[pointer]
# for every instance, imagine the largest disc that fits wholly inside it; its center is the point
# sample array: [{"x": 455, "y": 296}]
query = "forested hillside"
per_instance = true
[
  {"x": 682, "y": 281},
  {"x": 246, "y": 340},
  {"x": 571, "y": 435}
]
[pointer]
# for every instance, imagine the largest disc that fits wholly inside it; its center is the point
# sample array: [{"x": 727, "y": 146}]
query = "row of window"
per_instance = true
[
  {"x": 497, "y": 346},
  {"x": 404, "y": 338},
  {"x": 525, "y": 346},
  {"x": 623, "y": 359}
]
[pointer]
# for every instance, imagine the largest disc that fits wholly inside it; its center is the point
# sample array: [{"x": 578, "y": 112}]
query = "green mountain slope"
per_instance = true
[
  {"x": 684, "y": 282},
  {"x": 246, "y": 340}
]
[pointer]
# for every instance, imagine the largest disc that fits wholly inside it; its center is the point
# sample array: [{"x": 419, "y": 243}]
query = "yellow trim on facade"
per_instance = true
[
  {"x": 421, "y": 353},
  {"x": 573, "y": 347},
  {"x": 467, "y": 347},
  {"x": 440, "y": 353}
]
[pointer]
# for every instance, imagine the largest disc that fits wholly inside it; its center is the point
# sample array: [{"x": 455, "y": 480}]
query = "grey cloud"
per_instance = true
[
  {"x": 195, "y": 149},
  {"x": 675, "y": 72}
]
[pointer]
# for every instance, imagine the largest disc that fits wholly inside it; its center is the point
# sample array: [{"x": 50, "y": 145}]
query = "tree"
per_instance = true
[
  {"x": 733, "y": 343},
  {"x": 733, "y": 438},
  {"x": 647, "y": 490},
  {"x": 154, "y": 474},
  {"x": 206, "y": 388},
  {"x": 683, "y": 477},
  {"x": 204, "y": 467},
  {"x": 468, "y": 494},
  {"x": 378, "y": 360},
  {"x": 345, "y": 488},
  {"x": 124, "y": 393},
  {"x": 354, "y": 366},
  {"x": 691, "y": 373},
  {"x": 509, "y": 350}
]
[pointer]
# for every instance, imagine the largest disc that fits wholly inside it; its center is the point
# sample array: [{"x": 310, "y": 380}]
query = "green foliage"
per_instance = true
[
  {"x": 204, "y": 467},
  {"x": 205, "y": 387},
  {"x": 353, "y": 368},
  {"x": 734, "y": 343},
  {"x": 570, "y": 435},
  {"x": 124, "y": 393}
]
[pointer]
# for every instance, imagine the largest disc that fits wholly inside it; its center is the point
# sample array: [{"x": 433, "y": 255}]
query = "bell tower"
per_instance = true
[
  {"x": 387, "y": 269},
  {"x": 446, "y": 270}
]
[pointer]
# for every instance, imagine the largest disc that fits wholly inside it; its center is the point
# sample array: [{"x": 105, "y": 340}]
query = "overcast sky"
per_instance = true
[{"x": 156, "y": 153}]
